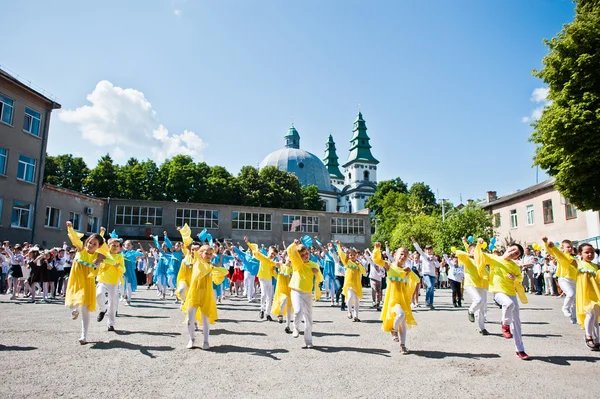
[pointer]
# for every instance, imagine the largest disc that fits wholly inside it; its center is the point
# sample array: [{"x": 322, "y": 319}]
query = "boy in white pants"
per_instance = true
[
  {"x": 266, "y": 272},
  {"x": 107, "y": 294},
  {"x": 566, "y": 274},
  {"x": 476, "y": 284}
]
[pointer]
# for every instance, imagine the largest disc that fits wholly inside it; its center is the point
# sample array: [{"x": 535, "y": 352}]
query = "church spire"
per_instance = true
[
  {"x": 360, "y": 149},
  {"x": 292, "y": 138},
  {"x": 331, "y": 160}
]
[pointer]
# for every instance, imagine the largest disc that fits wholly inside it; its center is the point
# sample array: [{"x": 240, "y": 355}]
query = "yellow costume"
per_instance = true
[
  {"x": 200, "y": 293},
  {"x": 564, "y": 266},
  {"x": 267, "y": 266},
  {"x": 354, "y": 271},
  {"x": 187, "y": 264},
  {"x": 498, "y": 276},
  {"x": 303, "y": 275},
  {"x": 400, "y": 288},
  {"x": 81, "y": 288},
  {"x": 112, "y": 273},
  {"x": 588, "y": 289},
  {"x": 282, "y": 291},
  {"x": 474, "y": 276},
  {"x": 318, "y": 279}
]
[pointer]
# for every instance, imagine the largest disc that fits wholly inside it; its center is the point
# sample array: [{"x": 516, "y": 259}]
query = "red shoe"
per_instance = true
[
  {"x": 523, "y": 355},
  {"x": 506, "y": 331}
]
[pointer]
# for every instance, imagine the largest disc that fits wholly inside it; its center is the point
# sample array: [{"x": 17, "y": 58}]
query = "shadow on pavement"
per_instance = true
[
  {"x": 16, "y": 348},
  {"x": 144, "y": 317},
  {"x": 151, "y": 333},
  {"x": 220, "y": 331},
  {"x": 536, "y": 309},
  {"x": 337, "y": 349},
  {"x": 270, "y": 353},
  {"x": 565, "y": 360},
  {"x": 523, "y": 322},
  {"x": 237, "y": 321},
  {"x": 324, "y": 334},
  {"x": 144, "y": 350},
  {"x": 443, "y": 355}
]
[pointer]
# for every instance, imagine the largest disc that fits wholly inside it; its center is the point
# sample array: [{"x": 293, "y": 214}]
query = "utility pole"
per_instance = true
[{"x": 443, "y": 208}]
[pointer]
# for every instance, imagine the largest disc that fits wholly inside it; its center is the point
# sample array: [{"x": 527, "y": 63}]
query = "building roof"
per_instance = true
[
  {"x": 360, "y": 149},
  {"x": 331, "y": 159},
  {"x": 519, "y": 193},
  {"x": 27, "y": 87}
]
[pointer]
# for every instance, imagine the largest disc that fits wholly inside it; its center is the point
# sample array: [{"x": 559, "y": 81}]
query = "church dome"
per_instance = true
[{"x": 307, "y": 167}]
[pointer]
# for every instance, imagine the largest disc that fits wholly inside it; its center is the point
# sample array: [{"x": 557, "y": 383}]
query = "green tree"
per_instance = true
[
  {"x": 421, "y": 199},
  {"x": 420, "y": 226},
  {"x": 181, "y": 179},
  {"x": 567, "y": 133},
  {"x": 140, "y": 180},
  {"x": 393, "y": 207},
  {"x": 253, "y": 187},
  {"x": 66, "y": 171},
  {"x": 283, "y": 189},
  {"x": 311, "y": 198},
  {"x": 471, "y": 220},
  {"x": 383, "y": 187},
  {"x": 222, "y": 187},
  {"x": 103, "y": 179}
]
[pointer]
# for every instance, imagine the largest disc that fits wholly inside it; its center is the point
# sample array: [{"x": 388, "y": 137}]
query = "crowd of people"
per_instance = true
[{"x": 99, "y": 272}]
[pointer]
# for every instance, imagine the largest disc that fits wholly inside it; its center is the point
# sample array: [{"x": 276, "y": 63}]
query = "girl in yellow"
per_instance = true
[
  {"x": 109, "y": 275},
  {"x": 282, "y": 305},
  {"x": 301, "y": 285},
  {"x": 81, "y": 288},
  {"x": 200, "y": 295},
  {"x": 265, "y": 274},
  {"x": 396, "y": 314},
  {"x": 184, "y": 276},
  {"x": 505, "y": 283},
  {"x": 476, "y": 284},
  {"x": 587, "y": 301},
  {"x": 352, "y": 281},
  {"x": 567, "y": 275}
]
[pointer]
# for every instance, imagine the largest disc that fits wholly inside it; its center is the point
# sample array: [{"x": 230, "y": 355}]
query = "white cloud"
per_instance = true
[
  {"x": 123, "y": 123},
  {"x": 177, "y": 12},
  {"x": 538, "y": 96}
]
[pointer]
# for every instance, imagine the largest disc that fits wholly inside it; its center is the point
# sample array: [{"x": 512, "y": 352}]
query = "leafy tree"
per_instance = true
[
  {"x": 311, "y": 198},
  {"x": 392, "y": 208},
  {"x": 66, "y": 172},
  {"x": 102, "y": 181},
  {"x": 471, "y": 220},
  {"x": 181, "y": 179},
  {"x": 421, "y": 199},
  {"x": 383, "y": 187},
  {"x": 222, "y": 187},
  {"x": 140, "y": 180},
  {"x": 283, "y": 189},
  {"x": 253, "y": 187},
  {"x": 567, "y": 132},
  {"x": 420, "y": 226}
]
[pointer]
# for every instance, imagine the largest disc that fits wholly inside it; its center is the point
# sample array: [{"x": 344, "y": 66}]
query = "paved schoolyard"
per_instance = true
[{"x": 41, "y": 358}]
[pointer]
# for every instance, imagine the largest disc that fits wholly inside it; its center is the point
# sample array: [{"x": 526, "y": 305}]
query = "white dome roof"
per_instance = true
[{"x": 307, "y": 167}]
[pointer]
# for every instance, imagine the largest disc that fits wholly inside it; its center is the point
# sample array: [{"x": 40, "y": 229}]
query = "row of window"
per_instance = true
[
  {"x": 25, "y": 168},
  {"x": 22, "y": 213},
  {"x": 206, "y": 218},
  {"x": 32, "y": 120},
  {"x": 548, "y": 214}
]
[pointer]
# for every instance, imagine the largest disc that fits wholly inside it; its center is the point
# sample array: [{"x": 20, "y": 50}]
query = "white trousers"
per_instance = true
[
  {"x": 191, "y": 325},
  {"x": 249, "y": 285},
  {"x": 400, "y": 323},
  {"x": 591, "y": 323},
  {"x": 107, "y": 299},
  {"x": 478, "y": 302},
  {"x": 285, "y": 304},
  {"x": 511, "y": 316},
  {"x": 568, "y": 287},
  {"x": 353, "y": 302},
  {"x": 266, "y": 294},
  {"x": 182, "y": 290},
  {"x": 302, "y": 303},
  {"x": 84, "y": 313},
  {"x": 548, "y": 283}
]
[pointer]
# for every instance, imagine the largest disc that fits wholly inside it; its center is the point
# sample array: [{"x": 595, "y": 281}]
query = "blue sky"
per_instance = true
[{"x": 444, "y": 86}]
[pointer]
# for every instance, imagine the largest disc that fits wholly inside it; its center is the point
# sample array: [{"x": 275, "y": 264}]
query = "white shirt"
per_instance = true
[
  {"x": 455, "y": 272},
  {"x": 527, "y": 260},
  {"x": 428, "y": 263},
  {"x": 375, "y": 272},
  {"x": 537, "y": 269}
]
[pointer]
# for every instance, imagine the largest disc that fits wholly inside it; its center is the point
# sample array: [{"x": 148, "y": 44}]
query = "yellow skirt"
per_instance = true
[{"x": 81, "y": 288}]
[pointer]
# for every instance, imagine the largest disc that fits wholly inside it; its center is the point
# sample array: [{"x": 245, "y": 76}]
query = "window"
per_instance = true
[
  {"x": 570, "y": 210},
  {"x": 514, "y": 222},
  {"x": 548, "y": 214},
  {"x": 197, "y": 218},
  {"x": 366, "y": 174},
  {"x": 3, "y": 160},
  {"x": 1, "y": 207},
  {"x": 138, "y": 215},
  {"x": 497, "y": 220},
  {"x": 32, "y": 122},
  {"x": 304, "y": 224},
  {"x": 6, "y": 109},
  {"x": 75, "y": 219},
  {"x": 21, "y": 215},
  {"x": 251, "y": 221},
  {"x": 92, "y": 226},
  {"x": 347, "y": 226},
  {"x": 52, "y": 217},
  {"x": 530, "y": 216},
  {"x": 26, "y": 169}
]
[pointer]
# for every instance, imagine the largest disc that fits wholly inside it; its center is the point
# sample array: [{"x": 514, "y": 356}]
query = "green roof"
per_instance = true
[
  {"x": 331, "y": 159},
  {"x": 360, "y": 149},
  {"x": 292, "y": 138}
]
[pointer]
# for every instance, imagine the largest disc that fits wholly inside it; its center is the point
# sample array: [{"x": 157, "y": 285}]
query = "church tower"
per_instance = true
[
  {"x": 360, "y": 170},
  {"x": 331, "y": 162}
]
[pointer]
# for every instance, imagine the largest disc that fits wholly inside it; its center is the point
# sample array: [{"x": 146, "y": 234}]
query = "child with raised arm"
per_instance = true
[
  {"x": 282, "y": 304},
  {"x": 429, "y": 264},
  {"x": 265, "y": 274},
  {"x": 567, "y": 275},
  {"x": 301, "y": 285},
  {"x": 396, "y": 314},
  {"x": 81, "y": 288},
  {"x": 476, "y": 284},
  {"x": 184, "y": 276},
  {"x": 505, "y": 283},
  {"x": 352, "y": 280},
  {"x": 587, "y": 302},
  {"x": 109, "y": 275}
]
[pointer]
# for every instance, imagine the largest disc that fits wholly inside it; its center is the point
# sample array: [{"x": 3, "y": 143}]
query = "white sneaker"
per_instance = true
[
  {"x": 82, "y": 341},
  {"x": 205, "y": 346},
  {"x": 190, "y": 344},
  {"x": 296, "y": 333}
]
